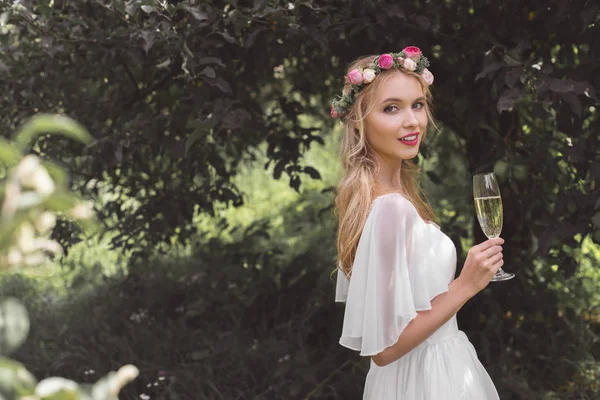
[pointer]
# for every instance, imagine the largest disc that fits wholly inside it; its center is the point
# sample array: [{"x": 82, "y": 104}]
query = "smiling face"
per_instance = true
[{"x": 398, "y": 110}]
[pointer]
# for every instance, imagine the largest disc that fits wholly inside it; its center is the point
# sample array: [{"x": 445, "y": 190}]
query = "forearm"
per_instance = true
[{"x": 443, "y": 307}]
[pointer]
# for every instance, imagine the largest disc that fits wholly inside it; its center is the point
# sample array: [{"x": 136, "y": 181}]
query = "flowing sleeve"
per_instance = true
[{"x": 390, "y": 281}]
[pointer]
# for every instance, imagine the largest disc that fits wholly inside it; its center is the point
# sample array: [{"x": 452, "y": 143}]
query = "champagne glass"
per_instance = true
[{"x": 488, "y": 205}]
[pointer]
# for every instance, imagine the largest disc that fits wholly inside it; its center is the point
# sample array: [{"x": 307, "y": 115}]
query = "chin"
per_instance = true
[{"x": 409, "y": 155}]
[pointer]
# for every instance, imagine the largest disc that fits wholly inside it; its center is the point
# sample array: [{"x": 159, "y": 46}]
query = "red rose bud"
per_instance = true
[
  {"x": 412, "y": 52},
  {"x": 385, "y": 61},
  {"x": 334, "y": 113}
]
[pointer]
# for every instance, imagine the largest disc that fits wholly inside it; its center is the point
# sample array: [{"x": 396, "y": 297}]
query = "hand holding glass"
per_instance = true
[{"x": 488, "y": 205}]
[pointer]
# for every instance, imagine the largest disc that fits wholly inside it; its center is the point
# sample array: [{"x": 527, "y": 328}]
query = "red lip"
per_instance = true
[{"x": 412, "y": 142}]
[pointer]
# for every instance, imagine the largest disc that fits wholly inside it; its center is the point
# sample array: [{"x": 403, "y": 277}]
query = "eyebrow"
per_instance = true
[{"x": 422, "y": 98}]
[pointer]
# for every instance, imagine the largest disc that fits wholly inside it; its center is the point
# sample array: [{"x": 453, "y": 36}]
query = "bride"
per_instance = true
[{"x": 396, "y": 267}]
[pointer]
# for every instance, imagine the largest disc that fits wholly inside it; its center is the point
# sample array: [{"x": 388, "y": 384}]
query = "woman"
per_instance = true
[{"x": 396, "y": 267}]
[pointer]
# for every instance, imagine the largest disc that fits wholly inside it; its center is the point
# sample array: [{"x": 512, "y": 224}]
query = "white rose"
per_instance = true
[
  {"x": 409, "y": 64},
  {"x": 368, "y": 75},
  {"x": 427, "y": 76}
]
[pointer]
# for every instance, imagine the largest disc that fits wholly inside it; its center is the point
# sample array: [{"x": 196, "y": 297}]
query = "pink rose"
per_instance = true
[
  {"x": 368, "y": 75},
  {"x": 409, "y": 64},
  {"x": 400, "y": 60},
  {"x": 385, "y": 61},
  {"x": 427, "y": 76},
  {"x": 412, "y": 52},
  {"x": 355, "y": 77},
  {"x": 334, "y": 113}
]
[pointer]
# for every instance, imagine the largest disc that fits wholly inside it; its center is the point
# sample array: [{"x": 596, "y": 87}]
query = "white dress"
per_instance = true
[{"x": 401, "y": 264}]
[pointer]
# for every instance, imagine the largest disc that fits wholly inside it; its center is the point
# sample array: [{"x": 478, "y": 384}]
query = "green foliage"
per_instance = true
[
  {"x": 258, "y": 325},
  {"x": 167, "y": 94},
  {"x": 178, "y": 95},
  {"x": 30, "y": 197},
  {"x": 211, "y": 332}
]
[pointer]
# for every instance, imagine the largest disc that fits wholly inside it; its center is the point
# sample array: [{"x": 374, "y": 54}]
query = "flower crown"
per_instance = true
[{"x": 410, "y": 59}]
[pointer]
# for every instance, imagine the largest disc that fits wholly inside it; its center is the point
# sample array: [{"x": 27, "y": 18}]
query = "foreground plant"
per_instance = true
[{"x": 33, "y": 192}]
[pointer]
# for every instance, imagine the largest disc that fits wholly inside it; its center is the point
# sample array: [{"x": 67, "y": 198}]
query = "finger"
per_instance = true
[
  {"x": 489, "y": 243},
  {"x": 491, "y": 251},
  {"x": 494, "y": 259},
  {"x": 496, "y": 241},
  {"x": 497, "y": 265}
]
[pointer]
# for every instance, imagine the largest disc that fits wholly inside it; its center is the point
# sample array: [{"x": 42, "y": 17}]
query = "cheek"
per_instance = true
[
  {"x": 423, "y": 120},
  {"x": 387, "y": 125}
]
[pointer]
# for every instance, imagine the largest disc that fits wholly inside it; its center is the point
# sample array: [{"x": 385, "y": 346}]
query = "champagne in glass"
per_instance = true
[{"x": 488, "y": 205}]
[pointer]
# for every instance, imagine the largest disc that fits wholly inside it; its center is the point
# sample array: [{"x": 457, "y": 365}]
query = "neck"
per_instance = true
[{"x": 388, "y": 179}]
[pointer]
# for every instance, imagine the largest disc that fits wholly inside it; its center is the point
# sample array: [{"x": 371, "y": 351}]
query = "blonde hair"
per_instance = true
[{"x": 357, "y": 188}]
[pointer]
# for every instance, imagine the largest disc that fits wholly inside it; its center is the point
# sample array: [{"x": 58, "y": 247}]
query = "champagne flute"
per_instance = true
[{"x": 488, "y": 205}]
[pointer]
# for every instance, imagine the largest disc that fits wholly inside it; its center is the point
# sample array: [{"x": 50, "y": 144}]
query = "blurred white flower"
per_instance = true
[
  {"x": 125, "y": 374},
  {"x": 35, "y": 259},
  {"x": 45, "y": 221},
  {"x": 51, "y": 387},
  {"x": 82, "y": 211},
  {"x": 32, "y": 174},
  {"x": 47, "y": 245},
  {"x": 26, "y": 237},
  {"x": 42, "y": 183},
  {"x": 11, "y": 200},
  {"x": 14, "y": 257},
  {"x": 27, "y": 167}
]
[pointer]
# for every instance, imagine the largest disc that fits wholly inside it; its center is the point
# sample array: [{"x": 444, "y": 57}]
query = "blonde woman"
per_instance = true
[{"x": 396, "y": 267}]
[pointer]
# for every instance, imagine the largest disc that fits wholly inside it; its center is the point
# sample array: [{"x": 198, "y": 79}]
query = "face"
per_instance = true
[{"x": 398, "y": 119}]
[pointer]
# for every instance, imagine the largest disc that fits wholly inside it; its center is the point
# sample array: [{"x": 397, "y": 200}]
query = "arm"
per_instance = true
[
  {"x": 483, "y": 260},
  {"x": 380, "y": 300},
  {"x": 443, "y": 307}
]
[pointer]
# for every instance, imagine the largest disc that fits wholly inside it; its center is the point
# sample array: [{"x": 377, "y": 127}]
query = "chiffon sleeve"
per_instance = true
[{"x": 390, "y": 282}]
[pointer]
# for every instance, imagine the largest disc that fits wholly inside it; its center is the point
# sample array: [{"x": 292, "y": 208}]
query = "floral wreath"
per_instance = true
[{"x": 410, "y": 59}]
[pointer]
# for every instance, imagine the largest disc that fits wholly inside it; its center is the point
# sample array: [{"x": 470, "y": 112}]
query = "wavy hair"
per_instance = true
[{"x": 357, "y": 188}]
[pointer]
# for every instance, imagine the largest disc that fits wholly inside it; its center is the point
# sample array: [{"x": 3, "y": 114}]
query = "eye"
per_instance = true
[
  {"x": 390, "y": 108},
  {"x": 418, "y": 105}
]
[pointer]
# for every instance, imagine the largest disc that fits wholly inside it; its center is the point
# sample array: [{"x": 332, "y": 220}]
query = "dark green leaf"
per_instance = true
[
  {"x": 208, "y": 72},
  {"x": 196, "y": 12},
  {"x": 488, "y": 69},
  {"x": 313, "y": 173},
  {"x": 434, "y": 178},
  {"x": 562, "y": 85}
]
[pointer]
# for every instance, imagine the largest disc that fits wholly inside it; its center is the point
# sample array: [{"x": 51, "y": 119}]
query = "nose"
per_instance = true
[{"x": 410, "y": 120}]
